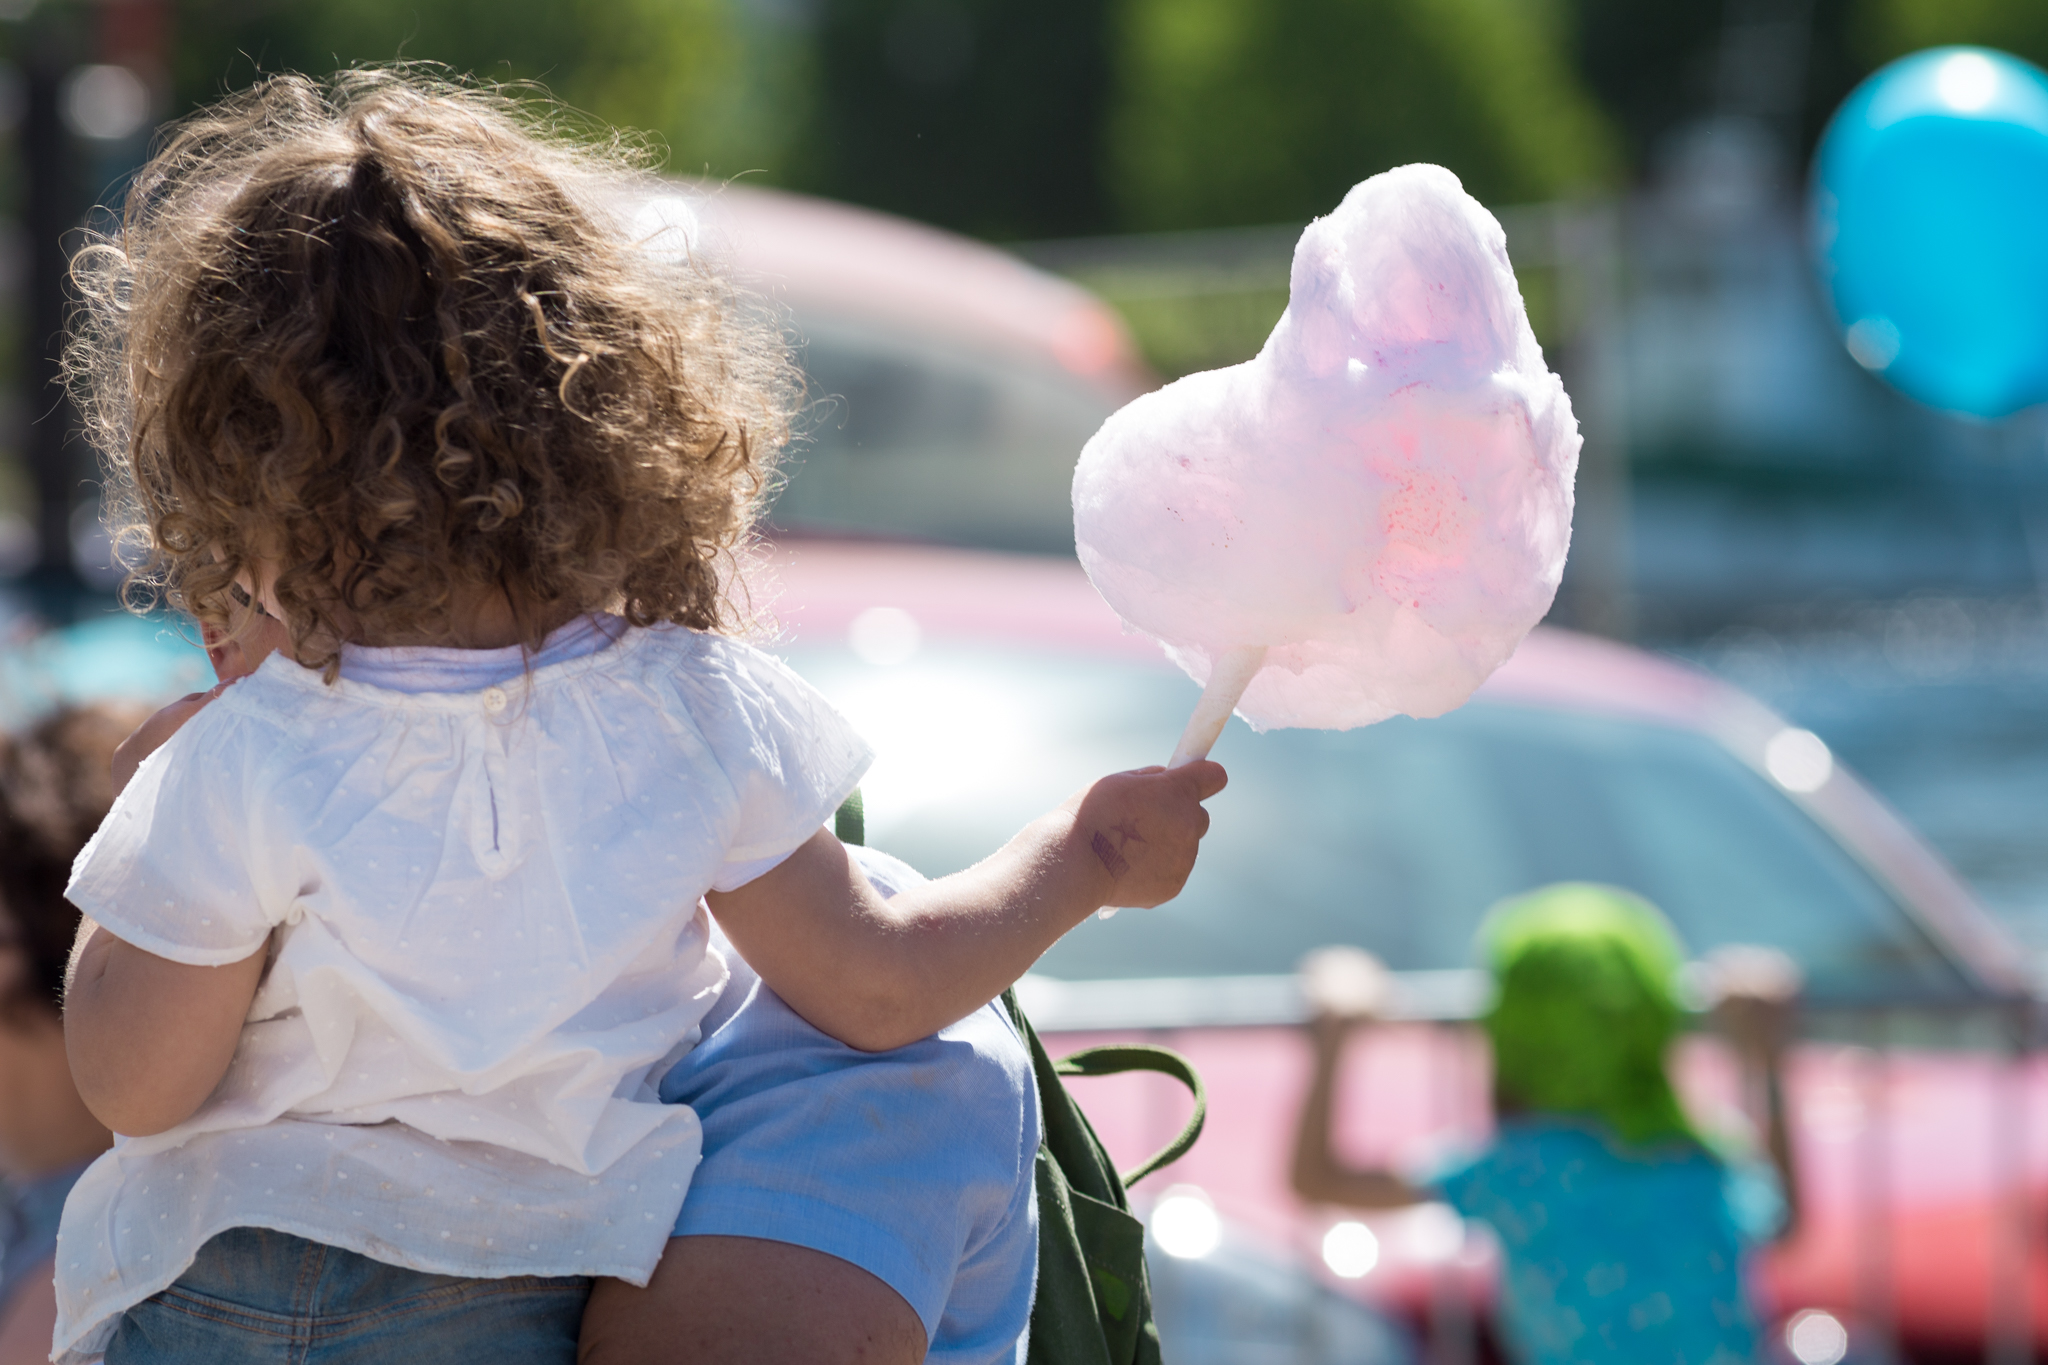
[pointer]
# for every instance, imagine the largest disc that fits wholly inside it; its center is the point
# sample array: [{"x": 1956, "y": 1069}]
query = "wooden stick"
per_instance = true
[{"x": 1232, "y": 673}]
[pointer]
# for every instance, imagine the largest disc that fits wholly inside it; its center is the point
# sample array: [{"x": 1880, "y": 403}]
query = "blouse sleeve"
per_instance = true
[
  {"x": 790, "y": 757},
  {"x": 182, "y": 866}
]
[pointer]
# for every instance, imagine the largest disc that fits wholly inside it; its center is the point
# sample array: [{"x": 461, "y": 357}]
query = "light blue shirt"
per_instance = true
[{"x": 915, "y": 1164}]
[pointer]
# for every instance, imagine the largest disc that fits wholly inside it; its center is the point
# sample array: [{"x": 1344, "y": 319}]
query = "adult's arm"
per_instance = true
[
  {"x": 747, "y": 1301},
  {"x": 878, "y": 974}
]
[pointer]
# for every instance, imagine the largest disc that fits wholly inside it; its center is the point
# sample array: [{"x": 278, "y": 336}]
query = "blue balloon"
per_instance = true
[{"x": 1930, "y": 225}]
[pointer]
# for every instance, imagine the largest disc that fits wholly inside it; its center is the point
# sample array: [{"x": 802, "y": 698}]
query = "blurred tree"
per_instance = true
[
  {"x": 1885, "y": 29},
  {"x": 1652, "y": 66},
  {"x": 1658, "y": 67},
  {"x": 1078, "y": 116},
  {"x": 982, "y": 115},
  {"x": 708, "y": 76},
  {"x": 1836, "y": 61},
  {"x": 1262, "y": 111}
]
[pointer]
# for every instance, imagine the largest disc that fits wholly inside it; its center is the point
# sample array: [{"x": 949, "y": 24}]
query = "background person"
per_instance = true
[
  {"x": 54, "y": 789},
  {"x": 1623, "y": 1233}
]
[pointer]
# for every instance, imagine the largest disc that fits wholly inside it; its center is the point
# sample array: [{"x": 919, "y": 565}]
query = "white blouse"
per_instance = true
[{"x": 487, "y": 944}]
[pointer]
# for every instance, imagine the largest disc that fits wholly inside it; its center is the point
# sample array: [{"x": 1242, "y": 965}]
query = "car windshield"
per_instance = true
[
  {"x": 911, "y": 437},
  {"x": 1396, "y": 837}
]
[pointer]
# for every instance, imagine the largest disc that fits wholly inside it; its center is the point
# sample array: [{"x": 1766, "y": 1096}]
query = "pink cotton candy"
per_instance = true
[{"x": 1382, "y": 496}]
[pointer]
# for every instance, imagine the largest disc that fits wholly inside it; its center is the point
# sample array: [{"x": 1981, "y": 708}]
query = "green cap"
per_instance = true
[{"x": 1585, "y": 1008}]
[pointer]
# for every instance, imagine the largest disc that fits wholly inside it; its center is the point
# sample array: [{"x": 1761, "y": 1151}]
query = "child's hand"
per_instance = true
[
  {"x": 1345, "y": 984},
  {"x": 1755, "y": 993},
  {"x": 1142, "y": 828},
  {"x": 1343, "y": 988},
  {"x": 155, "y": 732},
  {"x": 234, "y": 658}
]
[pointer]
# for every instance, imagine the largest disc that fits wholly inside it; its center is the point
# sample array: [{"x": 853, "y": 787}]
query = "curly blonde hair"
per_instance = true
[{"x": 395, "y": 339}]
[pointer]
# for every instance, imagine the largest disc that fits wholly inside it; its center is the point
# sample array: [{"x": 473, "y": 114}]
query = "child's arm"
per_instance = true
[
  {"x": 1345, "y": 987},
  {"x": 149, "y": 1038},
  {"x": 878, "y": 974},
  {"x": 1757, "y": 998}
]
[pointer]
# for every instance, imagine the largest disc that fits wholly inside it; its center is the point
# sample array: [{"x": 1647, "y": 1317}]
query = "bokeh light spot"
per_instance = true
[
  {"x": 1350, "y": 1250},
  {"x": 1184, "y": 1223}
]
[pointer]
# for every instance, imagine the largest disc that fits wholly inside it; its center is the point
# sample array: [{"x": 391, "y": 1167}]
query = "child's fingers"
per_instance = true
[
  {"x": 1204, "y": 777},
  {"x": 151, "y": 735}
]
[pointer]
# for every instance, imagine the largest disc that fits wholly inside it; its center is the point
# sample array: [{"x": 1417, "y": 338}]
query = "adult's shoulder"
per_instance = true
[{"x": 984, "y": 1058}]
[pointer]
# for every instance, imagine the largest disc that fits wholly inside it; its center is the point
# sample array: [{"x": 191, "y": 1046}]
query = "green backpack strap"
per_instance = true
[
  {"x": 1120, "y": 1058},
  {"x": 850, "y": 822},
  {"x": 1094, "y": 1299}
]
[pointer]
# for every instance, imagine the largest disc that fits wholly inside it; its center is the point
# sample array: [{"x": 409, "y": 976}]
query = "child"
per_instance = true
[
  {"x": 394, "y": 934},
  {"x": 1623, "y": 1235}
]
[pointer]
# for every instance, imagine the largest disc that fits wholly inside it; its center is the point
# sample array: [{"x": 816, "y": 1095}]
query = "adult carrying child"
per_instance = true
[{"x": 396, "y": 936}]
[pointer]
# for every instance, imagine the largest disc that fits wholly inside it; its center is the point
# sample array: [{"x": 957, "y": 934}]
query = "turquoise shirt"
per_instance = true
[{"x": 1617, "y": 1255}]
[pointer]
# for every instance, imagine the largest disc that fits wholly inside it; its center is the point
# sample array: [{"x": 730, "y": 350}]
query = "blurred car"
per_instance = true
[
  {"x": 919, "y": 345},
  {"x": 955, "y": 386},
  {"x": 993, "y": 685}
]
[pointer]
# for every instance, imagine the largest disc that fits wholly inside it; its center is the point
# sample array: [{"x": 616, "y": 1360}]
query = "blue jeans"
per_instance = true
[{"x": 257, "y": 1295}]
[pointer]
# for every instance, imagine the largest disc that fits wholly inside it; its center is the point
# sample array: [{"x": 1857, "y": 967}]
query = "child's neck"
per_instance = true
[{"x": 484, "y": 620}]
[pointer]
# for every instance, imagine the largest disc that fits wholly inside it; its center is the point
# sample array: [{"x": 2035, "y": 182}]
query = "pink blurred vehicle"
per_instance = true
[{"x": 922, "y": 574}]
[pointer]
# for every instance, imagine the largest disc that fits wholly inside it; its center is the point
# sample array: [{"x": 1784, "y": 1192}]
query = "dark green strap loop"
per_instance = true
[
  {"x": 851, "y": 822},
  {"x": 1121, "y": 1057}
]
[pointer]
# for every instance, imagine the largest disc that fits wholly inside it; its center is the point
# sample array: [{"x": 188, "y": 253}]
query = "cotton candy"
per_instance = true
[{"x": 1382, "y": 497}]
